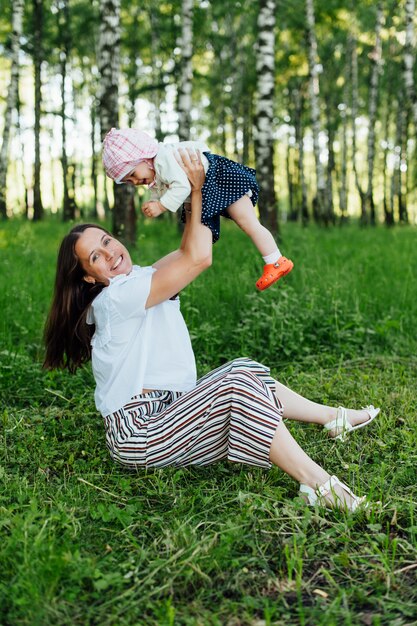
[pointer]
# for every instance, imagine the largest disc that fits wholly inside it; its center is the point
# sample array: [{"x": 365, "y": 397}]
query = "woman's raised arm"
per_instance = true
[{"x": 178, "y": 269}]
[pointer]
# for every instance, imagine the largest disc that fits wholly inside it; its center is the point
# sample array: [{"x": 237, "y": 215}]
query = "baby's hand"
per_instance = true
[{"x": 153, "y": 208}]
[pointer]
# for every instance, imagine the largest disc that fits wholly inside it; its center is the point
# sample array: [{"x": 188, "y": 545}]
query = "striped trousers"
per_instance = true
[{"x": 232, "y": 413}]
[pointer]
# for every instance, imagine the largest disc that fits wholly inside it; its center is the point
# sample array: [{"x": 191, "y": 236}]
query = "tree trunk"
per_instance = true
[
  {"x": 409, "y": 58},
  {"x": 376, "y": 58},
  {"x": 186, "y": 71},
  {"x": 109, "y": 68},
  {"x": 130, "y": 191},
  {"x": 22, "y": 159},
  {"x": 264, "y": 114},
  {"x": 133, "y": 78},
  {"x": 299, "y": 138},
  {"x": 355, "y": 112},
  {"x": 246, "y": 127},
  {"x": 314, "y": 68},
  {"x": 156, "y": 95},
  {"x": 37, "y": 62},
  {"x": 94, "y": 212},
  {"x": 12, "y": 100},
  {"x": 388, "y": 212},
  {"x": 397, "y": 185},
  {"x": 403, "y": 212},
  {"x": 343, "y": 190},
  {"x": 330, "y": 161},
  {"x": 292, "y": 207},
  {"x": 64, "y": 34}
]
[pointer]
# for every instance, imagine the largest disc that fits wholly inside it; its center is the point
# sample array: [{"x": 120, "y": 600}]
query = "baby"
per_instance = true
[{"x": 230, "y": 189}]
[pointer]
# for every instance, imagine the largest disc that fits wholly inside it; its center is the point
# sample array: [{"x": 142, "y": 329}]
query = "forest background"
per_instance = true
[{"x": 321, "y": 98}]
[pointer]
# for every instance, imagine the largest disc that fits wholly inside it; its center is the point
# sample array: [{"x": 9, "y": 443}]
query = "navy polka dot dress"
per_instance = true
[{"x": 226, "y": 182}]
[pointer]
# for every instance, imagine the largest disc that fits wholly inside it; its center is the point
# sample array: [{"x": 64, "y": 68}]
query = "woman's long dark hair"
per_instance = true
[{"x": 67, "y": 335}]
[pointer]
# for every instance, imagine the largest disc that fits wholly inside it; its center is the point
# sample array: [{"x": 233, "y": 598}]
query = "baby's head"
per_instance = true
[{"x": 128, "y": 156}]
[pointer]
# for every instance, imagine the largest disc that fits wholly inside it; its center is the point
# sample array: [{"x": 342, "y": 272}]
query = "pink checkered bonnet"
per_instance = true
[{"x": 124, "y": 149}]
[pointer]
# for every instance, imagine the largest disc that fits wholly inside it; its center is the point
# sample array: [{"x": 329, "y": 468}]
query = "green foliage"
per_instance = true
[{"x": 86, "y": 542}]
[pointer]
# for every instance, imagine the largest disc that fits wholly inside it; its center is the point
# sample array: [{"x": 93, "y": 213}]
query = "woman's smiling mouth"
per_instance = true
[{"x": 116, "y": 265}]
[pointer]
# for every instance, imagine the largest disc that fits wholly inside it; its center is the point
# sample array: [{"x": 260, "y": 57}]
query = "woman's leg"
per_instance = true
[
  {"x": 298, "y": 408},
  {"x": 243, "y": 213},
  {"x": 286, "y": 454}
]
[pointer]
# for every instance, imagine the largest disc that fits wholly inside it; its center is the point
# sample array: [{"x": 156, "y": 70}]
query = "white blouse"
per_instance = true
[{"x": 134, "y": 348}]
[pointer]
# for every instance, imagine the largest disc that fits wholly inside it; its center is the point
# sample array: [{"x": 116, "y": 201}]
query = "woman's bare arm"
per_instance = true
[{"x": 181, "y": 267}]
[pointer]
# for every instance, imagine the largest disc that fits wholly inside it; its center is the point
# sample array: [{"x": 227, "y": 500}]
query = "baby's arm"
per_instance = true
[{"x": 153, "y": 208}]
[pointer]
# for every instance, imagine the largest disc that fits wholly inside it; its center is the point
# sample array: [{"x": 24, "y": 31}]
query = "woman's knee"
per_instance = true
[{"x": 245, "y": 364}]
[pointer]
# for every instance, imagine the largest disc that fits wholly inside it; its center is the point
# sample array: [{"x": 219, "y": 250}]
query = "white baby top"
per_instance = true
[
  {"x": 134, "y": 348},
  {"x": 172, "y": 187}
]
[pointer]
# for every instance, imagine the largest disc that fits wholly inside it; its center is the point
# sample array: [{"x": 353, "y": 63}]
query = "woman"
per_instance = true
[{"x": 127, "y": 319}]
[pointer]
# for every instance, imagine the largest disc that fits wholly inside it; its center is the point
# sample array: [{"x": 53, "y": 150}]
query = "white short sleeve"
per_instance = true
[{"x": 128, "y": 294}]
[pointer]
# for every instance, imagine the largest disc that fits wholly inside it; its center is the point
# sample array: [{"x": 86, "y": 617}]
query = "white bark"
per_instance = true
[
  {"x": 264, "y": 113},
  {"x": 109, "y": 67},
  {"x": 343, "y": 195},
  {"x": 314, "y": 90},
  {"x": 376, "y": 59},
  {"x": 109, "y": 64},
  {"x": 186, "y": 71},
  {"x": 38, "y": 57},
  {"x": 409, "y": 57},
  {"x": 11, "y": 101},
  {"x": 156, "y": 95}
]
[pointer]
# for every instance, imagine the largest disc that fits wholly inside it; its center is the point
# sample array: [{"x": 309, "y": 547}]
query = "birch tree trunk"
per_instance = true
[
  {"x": 331, "y": 164},
  {"x": 295, "y": 166},
  {"x": 343, "y": 192},
  {"x": 396, "y": 190},
  {"x": 403, "y": 212},
  {"x": 299, "y": 138},
  {"x": 37, "y": 62},
  {"x": 355, "y": 111},
  {"x": 376, "y": 58},
  {"x": 314, "y": 89},
  {"x": 109, "y": 68},
  {"x": 247, "y": 129},
  {"x": 22, "y": 159},
  {"x": 156, "y": 95},
  {"x": 186, "y": 71},
  {"x": 388, "y": 212},
  {"x": 389, "y": 96},
  {"x": 65, "y": 40},
  {"x": 291, "y": 183},
  {"x": 93, "y": 113},
  {"x": 264, "y": 113},
  {"x": 11, "y": 101},
  {"x": 409, "y": 58},
  {"x": 130, "y": 189},
  {"x": 133, "y": 79}
]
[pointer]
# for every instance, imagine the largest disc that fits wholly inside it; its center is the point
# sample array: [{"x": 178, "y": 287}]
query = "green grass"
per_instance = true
[{"x": 86, "y": 542}]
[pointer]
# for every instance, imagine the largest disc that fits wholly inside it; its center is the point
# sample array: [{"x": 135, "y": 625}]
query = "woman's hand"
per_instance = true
[{"x": 192, "y": 165}]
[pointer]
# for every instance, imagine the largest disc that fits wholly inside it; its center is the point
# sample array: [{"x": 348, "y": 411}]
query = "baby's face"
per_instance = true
[{"x": 141, "y": 175}]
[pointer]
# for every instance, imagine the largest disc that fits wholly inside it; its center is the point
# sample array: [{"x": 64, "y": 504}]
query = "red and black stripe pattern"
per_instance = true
[{"x": 232, "y": 413}]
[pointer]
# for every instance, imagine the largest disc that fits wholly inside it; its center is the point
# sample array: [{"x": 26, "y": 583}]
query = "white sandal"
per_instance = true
[
  {"x": 318, "y": 495},
  {"x": 342, "y": 425}
]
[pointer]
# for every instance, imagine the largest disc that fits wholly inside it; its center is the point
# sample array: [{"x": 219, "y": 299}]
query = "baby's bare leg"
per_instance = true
[{"x": 243, "y": 213}]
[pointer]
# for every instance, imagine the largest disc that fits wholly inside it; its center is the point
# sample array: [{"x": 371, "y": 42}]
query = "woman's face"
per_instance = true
[
  {"x": 101, "y": 256},
  {"x": 141, "y": 175}
]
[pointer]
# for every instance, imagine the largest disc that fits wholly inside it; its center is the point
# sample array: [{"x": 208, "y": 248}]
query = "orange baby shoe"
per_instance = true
[{"x": 273, "y": 272}]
